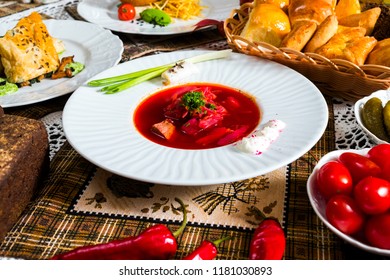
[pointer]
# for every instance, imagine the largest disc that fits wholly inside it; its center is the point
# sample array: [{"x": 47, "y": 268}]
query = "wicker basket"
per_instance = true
[{"x": 334, "y": 77}]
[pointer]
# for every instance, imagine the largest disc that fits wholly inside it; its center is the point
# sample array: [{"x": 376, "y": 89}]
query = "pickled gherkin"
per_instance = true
[
  {"x": 386, "y": 117},
  {"x": 372, "y": 117}
]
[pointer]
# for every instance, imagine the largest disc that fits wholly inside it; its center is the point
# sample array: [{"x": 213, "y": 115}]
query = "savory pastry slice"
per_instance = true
[
  {"x": 27, "y": 51},
  {"x": 350, "y": 44}
]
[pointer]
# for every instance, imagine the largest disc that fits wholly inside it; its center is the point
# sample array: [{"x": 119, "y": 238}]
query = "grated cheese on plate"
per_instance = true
[{"x": 182, "y": 9}]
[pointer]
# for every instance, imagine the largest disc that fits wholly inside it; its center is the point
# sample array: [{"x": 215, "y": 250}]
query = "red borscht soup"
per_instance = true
[{"x": 197, "y": 116}]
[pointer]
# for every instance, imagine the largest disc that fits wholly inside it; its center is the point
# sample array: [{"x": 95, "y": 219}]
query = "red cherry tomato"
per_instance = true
[
  {"x": 126, "y": 12},
  {"x": 359, "y": 166},
  {"x": 334, "y": 178},
  {"x": 386, "y": 170},
  {"x": 372, "y": 195},
  {"x": 379, "y": 154},
  {"x": 377, "y": 230},
  {"x": 344, "y": 214}
]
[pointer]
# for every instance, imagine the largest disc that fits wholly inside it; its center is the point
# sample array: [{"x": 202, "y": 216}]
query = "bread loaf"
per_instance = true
[{"x": 23, "y": 162}]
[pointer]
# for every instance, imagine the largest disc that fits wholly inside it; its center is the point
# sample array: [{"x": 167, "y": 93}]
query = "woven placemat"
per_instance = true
[
  {"x": 15, "y": 7},
  {"x": 40, "y": 109}
]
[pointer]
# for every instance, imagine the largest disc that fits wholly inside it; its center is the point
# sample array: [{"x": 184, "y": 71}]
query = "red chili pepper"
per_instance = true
[
  {"x": 207, "y": 250},
  {"x": 154, "y": 243},
  {"x": 268, "y": 241}
]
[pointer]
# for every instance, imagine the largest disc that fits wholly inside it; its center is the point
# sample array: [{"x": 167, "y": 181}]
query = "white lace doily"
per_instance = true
[
  {"x": 348, "y": 133},
  {"x": 53, "y": 124}
]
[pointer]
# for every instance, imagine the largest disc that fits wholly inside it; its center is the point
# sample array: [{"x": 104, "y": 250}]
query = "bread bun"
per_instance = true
[
  {"x": 139, "y": 2},
  {"x": 350, "y": 44},
  {"x": 299, "y": 35},
  {"x": 267, "y": 23},
  {"x": 366, "y": 19},
  {"x": 310, "y": 10},
  {"x": 380, "y": 55},
  {"x": 323, "y": 34},
  {"x": 347, "y": 7},
  {"x": 280, "y": 3}
]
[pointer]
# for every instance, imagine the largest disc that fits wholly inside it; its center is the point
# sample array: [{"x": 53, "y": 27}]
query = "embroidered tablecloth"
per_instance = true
[{"x": 80, "y": 204}]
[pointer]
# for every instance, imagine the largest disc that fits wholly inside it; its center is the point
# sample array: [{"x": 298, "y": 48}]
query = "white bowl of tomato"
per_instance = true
[{"x": 350, "y": 192}]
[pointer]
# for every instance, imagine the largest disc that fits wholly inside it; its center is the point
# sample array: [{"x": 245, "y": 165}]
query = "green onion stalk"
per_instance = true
[{"x": 119, "y": 83}]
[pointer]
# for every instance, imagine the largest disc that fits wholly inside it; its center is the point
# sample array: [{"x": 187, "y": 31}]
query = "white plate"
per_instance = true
[
  {"x": 105, "y": 13},
  {"x": 319, "y": 204},
  {"x": 384, "y": 96},
  {"x": 98, "y": 49},
  {"x": 100, "y": 127}
]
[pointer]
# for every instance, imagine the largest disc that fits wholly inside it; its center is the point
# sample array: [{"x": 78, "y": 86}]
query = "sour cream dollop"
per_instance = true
[
  {"x": 178, "y": 73},
  {"x": 261, "y": 139}
]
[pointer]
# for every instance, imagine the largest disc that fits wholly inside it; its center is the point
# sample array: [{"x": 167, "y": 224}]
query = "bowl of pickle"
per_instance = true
[{"x": 373, "y": 116}]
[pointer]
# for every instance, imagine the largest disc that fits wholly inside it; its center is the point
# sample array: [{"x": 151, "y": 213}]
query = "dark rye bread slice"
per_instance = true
[{"x": 24, "y": 161}]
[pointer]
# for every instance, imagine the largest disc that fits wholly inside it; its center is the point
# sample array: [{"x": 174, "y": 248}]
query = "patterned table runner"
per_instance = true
[{"x": 227, "y": 205}]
